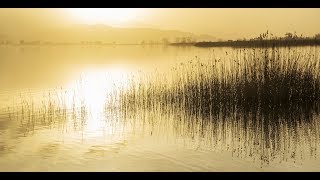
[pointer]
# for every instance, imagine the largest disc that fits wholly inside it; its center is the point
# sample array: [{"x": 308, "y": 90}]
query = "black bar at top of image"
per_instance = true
[{"x": 161, "y": 3}]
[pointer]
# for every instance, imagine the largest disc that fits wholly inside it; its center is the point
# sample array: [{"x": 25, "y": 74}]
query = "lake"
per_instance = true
[{"x": 55, "y": 115}]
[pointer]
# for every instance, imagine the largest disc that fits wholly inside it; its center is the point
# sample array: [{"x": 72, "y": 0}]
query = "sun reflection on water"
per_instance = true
[{"x": 91, "y": 93}]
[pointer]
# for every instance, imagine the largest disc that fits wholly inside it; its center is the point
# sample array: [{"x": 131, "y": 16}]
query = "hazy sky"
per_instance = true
[
  {"x": 238, "y": 22},
  {"x": 221, "y": 23}
]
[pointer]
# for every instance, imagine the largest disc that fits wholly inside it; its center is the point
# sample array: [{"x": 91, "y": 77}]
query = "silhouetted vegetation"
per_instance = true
[
  {"x": 263, "y": 99},
  {"x": 260, "y": 43},
  {"x": 270, "y": 77},
  {"x": 266, "y": 40}
]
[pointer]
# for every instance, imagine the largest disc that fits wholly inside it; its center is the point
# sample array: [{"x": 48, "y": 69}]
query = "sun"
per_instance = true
[{"x": 112, "y": 16}]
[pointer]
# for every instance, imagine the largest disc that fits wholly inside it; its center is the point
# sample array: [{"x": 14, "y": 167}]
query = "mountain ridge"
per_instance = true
[{"x": 101, "y": 32}]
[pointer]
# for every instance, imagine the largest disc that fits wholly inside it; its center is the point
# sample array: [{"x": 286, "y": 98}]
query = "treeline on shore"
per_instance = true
[
  {"x": 259, "y": 43},
  {"x": 267, "y": 39}
]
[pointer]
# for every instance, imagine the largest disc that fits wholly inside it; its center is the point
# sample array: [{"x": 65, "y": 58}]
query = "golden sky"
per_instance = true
[
  {"x": 220, "y": 23},
  {"x": 238, "y": 22}
]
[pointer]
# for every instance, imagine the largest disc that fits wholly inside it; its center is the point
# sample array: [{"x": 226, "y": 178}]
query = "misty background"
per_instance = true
[{"x": 154, "y": 24}]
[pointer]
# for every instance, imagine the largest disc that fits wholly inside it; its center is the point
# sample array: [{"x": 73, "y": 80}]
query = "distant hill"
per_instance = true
[
  {"x": 206, "y": 37},
  {"x": 104, "y": 33},
  {"x": 46, "y": 25}
]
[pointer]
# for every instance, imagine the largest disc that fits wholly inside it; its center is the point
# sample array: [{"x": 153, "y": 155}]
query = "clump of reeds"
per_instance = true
[
  {"x": 264, "y": 99},
  {"x": 48, "y": 111},
  {"x": 251, "y": 79}
]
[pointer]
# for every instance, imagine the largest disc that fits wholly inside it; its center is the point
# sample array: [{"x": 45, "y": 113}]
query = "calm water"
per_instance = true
[{"x": 53, "y": 118}]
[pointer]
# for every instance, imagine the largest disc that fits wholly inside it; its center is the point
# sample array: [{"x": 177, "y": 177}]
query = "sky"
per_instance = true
[
  {"x": 222, "y": 23},
  {"x": 238, "y": 22}
]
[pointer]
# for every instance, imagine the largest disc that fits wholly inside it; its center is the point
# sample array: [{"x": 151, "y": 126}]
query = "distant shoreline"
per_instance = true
[
  {"x": 230, "y": 43},
  {"x": 260, "y": 43}
]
